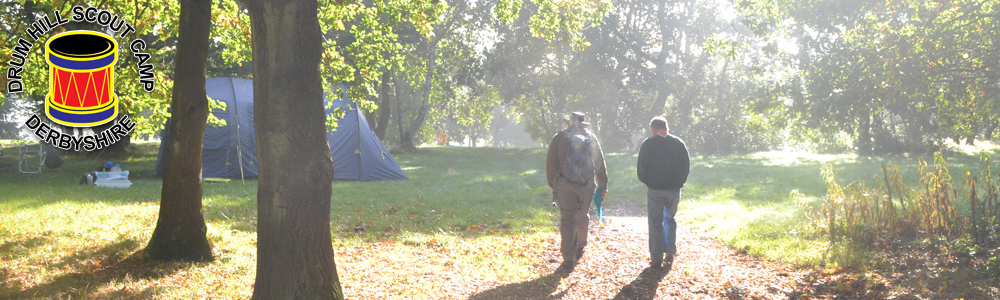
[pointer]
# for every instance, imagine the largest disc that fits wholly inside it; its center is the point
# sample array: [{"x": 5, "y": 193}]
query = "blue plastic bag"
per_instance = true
[{"x": 597, "y": 202}]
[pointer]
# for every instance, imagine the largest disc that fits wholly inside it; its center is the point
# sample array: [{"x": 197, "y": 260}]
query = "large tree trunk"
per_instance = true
[
  {"x": 294, "y": 246},
  {"x": 180, "y": 232}
]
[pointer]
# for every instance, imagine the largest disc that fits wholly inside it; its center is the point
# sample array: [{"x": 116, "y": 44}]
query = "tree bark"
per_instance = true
[
  {"x": 399, "y": 110},
  {"x": 988, "y": 135},
  {"x": 380, "y": 122},
  {"x": 970, "y": 138},
  {"x": 409, "y": 145},
  {"x": 681, "y": 120},
  {"x": 180, "y": 232},
  {"x": 295, "y": 257},
  {"x": 663, "y": 90},
  {"x": 864, "y": 142}
]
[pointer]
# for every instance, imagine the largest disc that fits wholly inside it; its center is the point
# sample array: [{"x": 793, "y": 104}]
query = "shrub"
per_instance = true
[{"x": 891, "y": 212}]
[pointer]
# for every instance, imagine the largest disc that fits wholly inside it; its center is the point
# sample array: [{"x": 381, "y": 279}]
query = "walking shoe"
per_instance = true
[
  {"x": 565, "y": 268},
  {"x": 655, "y": 265},
  {"x": 579, "y": 253}
]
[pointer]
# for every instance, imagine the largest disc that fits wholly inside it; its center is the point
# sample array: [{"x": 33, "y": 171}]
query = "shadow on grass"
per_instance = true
[
  {"x": 644, "y": 286},
  {"x": 15, "y": 247},
  {"x": 112, "y": 266},
  {"x": 539, "y": 288}
]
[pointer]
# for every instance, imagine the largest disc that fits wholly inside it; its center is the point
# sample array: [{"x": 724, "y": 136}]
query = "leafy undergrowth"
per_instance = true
[{"x": 929, "y": 268}]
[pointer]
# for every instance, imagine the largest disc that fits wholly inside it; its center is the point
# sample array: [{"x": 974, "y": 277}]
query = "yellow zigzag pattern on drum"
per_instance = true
[{"x": 73, "y": 84}]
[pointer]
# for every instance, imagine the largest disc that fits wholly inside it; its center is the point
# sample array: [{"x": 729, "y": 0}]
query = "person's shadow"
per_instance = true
[
  {"x": 644, "y": 286},
  {"x": 539, "y": 288}
]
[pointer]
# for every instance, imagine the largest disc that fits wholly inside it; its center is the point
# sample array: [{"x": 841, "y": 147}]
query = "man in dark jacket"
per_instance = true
[
  {"x": 663, "y": 166},
  {"x": 574, "y": 168}
]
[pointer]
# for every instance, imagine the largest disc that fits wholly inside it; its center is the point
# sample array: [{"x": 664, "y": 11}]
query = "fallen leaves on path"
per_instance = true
[{"x": 615, "y": 266}]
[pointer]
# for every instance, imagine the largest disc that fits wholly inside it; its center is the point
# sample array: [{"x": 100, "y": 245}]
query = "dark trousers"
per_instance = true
[
  {"x": 574, "y": 204},
  {"x": 661, "y": 206}
]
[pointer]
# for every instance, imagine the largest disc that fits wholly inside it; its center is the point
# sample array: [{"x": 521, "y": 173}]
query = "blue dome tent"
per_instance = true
[{"x": 357, "y": 152}]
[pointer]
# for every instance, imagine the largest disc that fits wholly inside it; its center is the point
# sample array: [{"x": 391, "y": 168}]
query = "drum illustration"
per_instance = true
[{"x": 81, "y": 78}]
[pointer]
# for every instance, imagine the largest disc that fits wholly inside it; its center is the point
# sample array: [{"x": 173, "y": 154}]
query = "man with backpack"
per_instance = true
[
  {"x": 663, "y": 166},
  {"x": 575, "y": 169}
]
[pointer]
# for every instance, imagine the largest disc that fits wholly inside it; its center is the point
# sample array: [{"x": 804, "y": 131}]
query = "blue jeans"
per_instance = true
[{"x": 661, "y": 206}]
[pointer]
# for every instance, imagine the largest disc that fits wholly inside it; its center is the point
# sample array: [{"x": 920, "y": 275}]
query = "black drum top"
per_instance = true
[{"x": 81, "y": 46}]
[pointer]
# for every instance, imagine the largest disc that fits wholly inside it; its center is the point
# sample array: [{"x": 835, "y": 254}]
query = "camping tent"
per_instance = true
[
  {"x": 226, "y": 147},
  {"x": 357, "y": 152}
]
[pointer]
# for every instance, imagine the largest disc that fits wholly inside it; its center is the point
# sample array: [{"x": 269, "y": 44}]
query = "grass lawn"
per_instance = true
[{"x": 488, "y": 219}]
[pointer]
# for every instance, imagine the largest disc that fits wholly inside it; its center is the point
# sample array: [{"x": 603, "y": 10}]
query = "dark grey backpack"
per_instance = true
[{"x": 578, "y": 157}]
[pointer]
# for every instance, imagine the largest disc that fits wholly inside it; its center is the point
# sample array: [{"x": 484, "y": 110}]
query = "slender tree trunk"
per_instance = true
[
  {"x": 663, "y": 90},
  {"x": 180, "y": 232},
  {"x": 409, "y": 145},
  {"x": 295, "y": 257},
  {"x": 380, "y": 122},
  {"x": 970, "y": 139},
  {"x": 399, "y": 109},
  {"x": 864, "y": 142},
  {"x": 881, "y": 141},
  {"x": 682, "y": 120},
  {"x": 383, "y": 117},
  {"x": 662, "y": 93},
  {"x": 988, "y": 135}
]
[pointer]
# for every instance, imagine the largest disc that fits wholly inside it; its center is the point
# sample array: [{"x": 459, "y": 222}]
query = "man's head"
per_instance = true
[
  {"x": 659, "y": 125},
  {"x": 576, "y": 118}
]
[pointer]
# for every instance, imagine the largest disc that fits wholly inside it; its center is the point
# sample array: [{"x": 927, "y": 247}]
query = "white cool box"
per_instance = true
[{"x": 113, "y": 179}]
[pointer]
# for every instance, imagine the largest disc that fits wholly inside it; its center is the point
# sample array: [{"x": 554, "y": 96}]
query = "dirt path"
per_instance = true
[{"x": 615, "y": 266}]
